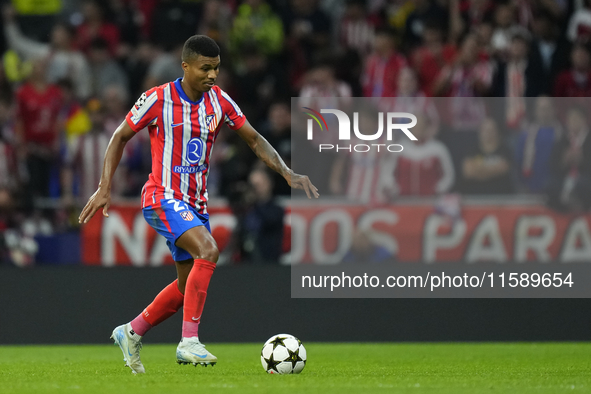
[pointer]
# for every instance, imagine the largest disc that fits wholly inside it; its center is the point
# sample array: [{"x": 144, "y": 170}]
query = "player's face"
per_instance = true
[{"x": 202, "y": 72}]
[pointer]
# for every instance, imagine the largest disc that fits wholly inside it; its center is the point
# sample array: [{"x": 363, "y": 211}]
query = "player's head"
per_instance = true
[{"x": 201, "y": 62}]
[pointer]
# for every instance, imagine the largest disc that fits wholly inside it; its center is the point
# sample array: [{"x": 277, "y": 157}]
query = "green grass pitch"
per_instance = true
[{"x": 331, "y": 368}]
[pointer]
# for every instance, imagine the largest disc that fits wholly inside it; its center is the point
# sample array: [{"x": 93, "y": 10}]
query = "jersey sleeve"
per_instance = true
[
  {"x": 145, "y": 110},
  {"x": 233, "y": 116}
]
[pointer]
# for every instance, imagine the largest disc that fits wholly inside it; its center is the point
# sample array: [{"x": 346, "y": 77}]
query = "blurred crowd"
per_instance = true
[{"x": 71, "y": 70}]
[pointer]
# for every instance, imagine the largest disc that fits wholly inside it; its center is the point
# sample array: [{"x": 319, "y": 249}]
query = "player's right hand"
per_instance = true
[{"x": 100, "y": 199}]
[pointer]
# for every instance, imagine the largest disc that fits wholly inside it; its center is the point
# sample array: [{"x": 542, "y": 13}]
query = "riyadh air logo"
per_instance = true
[
  {"x": 193, "y": 155},
  {"x": 194, "y": 150},
  {"x": 392, "y": 122}
]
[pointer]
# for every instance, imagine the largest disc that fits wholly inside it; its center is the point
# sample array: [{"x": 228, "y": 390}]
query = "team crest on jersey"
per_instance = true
[
  {"x": 187, "y": 215},
  {"x": 212, "y": 122}
]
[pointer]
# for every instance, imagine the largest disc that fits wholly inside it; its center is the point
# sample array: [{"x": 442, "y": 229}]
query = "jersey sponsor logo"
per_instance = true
[
  {"x": 194, "y": 150},
  {"x": 186, "y": 215},
  {"x": 189, "y": 169},
  {"x": 176, "y": 124}
]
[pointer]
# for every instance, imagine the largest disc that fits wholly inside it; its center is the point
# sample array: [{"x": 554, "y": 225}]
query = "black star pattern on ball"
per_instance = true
[
  {"x": 278, "y": 341},
  {"x": 294, "y": 357},
  {"x": 272, "y": 364}
]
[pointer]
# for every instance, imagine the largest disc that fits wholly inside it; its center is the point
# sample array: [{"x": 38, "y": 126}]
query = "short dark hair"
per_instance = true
[{"x": 199, "y": 45}]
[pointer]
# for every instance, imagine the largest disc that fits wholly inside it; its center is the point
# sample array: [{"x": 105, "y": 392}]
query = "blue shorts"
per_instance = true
[{"x": 171, "y": 220}]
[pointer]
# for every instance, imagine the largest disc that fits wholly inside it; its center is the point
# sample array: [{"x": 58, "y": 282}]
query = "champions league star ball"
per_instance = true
[{"x": 283, "y": 354}]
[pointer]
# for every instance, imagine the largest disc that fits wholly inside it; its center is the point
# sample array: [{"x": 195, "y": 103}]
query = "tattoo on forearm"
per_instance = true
[{"x": 264, "y": 151}]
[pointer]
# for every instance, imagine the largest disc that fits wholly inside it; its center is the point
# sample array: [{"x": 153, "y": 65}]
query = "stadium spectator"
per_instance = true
[
  {"x": 467, "y": 15},
  {"x": 424, "y": 12},
  {"x": 104, "y": 70},
  {"x": 429, "y": 58},
  {"x": 322, "y": 89},
  {"x": 575, "y": 82},
  {"x": 380, "y": 75},
  {"x": 36, "y": 18},
  {"x": 570, "y": 186},
  {"x": 37, "y": 129},
  {"x": 423, "y": 168},
  {"x": 95, "y": 26},
  {"x": 258, "y": 83},
  {"x": 356, "y": 174},
  {"x": 534, "y": 147},
  {"x": 73, "y": 117},
  {"x": 126, "y": 18},
  {"x": 277, "y": 130},
  {"x": 468, "y": 76},
  {"x": 357, "y": 28},
  {"x": 256, "y": 25},
  {"x": 216, "y": 20},
  {"x": 308, "y": 32},
  {"x": 515, "y": 78},
  {"x": 136, "y": 65},
  {"x": 171, "y": 22},
  {"x": 505, "y": 22},
  {"x": 409, "y": 98},
  {"x": 83, "y": 164},
  {"x": 486, "y": 170},
  {"x": 263, "y": 222},
  {"x": 579, "y": 25},
  {"x": 64, "y": 61},
  {"x": 165, "y": 66},
  {"x": 547, "y": 49}
]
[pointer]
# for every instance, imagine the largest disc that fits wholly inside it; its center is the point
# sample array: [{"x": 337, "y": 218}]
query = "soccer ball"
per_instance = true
[{"x": 283, "y": 354}]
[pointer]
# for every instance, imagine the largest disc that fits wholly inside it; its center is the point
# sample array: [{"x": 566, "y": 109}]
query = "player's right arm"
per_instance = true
[
  {"x": 102, "y": 197},
  {"x": 144, "y": 112}
]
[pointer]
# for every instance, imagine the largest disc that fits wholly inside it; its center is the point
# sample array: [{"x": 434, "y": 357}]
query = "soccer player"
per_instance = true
[{"x": 183, "y": 118}]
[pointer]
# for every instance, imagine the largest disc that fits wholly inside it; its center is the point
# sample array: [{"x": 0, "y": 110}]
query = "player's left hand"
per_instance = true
[{"x": 298, "y": 181}]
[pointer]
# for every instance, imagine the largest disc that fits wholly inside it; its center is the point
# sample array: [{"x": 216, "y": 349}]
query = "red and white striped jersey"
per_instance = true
[{"x": 182, "y": 133}]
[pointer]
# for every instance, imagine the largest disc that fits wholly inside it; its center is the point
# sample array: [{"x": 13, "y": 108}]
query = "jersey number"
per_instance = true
[{"x": 177, "y": 205}]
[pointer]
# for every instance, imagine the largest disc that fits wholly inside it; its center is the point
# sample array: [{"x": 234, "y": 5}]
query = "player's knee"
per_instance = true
[{"x": 211, "y": 253}]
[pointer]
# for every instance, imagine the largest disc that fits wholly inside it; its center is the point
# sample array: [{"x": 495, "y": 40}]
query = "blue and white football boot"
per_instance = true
[
  {"x": 191, "y": 351},
  {"x": 130, "y": 344}
]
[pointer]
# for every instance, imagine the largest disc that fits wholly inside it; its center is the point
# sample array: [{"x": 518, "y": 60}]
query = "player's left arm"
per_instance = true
[{"x": 264, "y": 151}]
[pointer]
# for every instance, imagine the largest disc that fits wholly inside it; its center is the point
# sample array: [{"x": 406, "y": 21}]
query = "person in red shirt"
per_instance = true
[
  {"x": 428, "y": 59},
  {"x": 383, "y": 66},
  {"x": 95, "y": 26},
  {"x": 575, "y": 82},
  {"x": 183, "y": 119},
  {"x": 37, "y": 128},
  {"x": 423, "y": 168}
]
